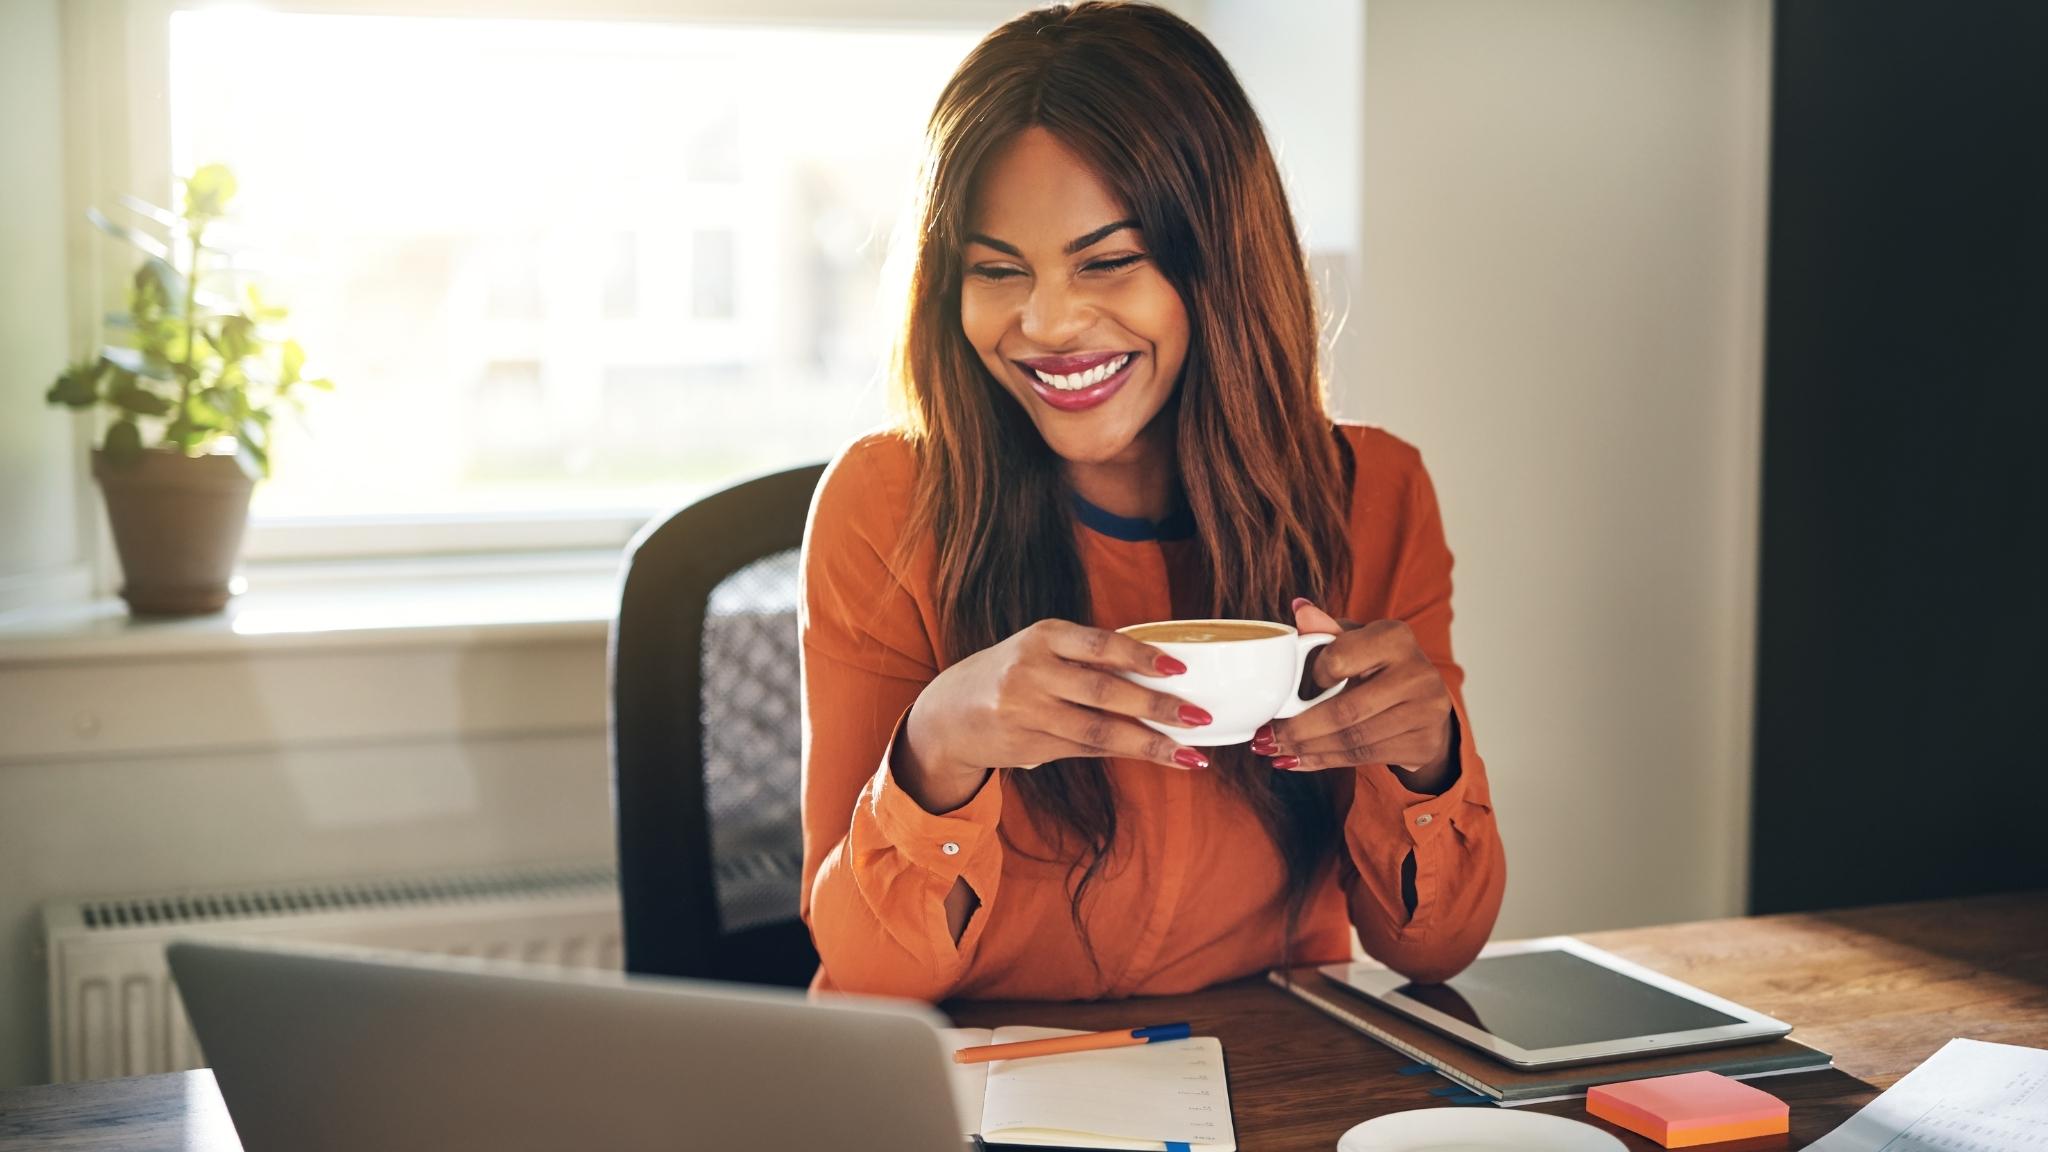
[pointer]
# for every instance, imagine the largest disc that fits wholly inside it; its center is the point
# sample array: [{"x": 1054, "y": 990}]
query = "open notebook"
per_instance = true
[{"x": 1167, "y": 1096}]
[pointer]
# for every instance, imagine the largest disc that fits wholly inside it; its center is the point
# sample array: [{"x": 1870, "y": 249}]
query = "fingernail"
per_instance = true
[
  {"x": 1264, "y": 735},
  {"x": 1189, "y": 758},
  {"x": 1286, "y": 762},
  {"x": 1169, "y": 665},
  {"x": 1300, "y": 600},
  {"x": 1265, "y": 747},
  {"x": 1189, "y": 714}
]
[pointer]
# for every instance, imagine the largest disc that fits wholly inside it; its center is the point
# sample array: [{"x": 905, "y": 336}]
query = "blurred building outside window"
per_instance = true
[{"x": 559, "y": 268}]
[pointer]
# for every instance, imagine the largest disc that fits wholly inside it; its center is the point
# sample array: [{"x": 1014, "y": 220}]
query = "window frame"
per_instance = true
[{"x": 118, "y": 141}]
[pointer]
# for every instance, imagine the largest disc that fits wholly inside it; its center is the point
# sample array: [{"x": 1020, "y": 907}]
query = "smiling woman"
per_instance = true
[
  {"x": 1084, "y": 286},
  {"x": 1115, "y": 414}
]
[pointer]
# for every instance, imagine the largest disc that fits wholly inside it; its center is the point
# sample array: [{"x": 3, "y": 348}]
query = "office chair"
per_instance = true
[{"x": 705, "y": 737}]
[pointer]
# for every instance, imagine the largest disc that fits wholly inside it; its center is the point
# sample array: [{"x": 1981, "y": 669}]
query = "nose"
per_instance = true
[{"x": 1054, "y": 314}]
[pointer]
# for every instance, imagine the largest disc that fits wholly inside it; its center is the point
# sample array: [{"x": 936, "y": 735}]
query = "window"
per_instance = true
[{"x": 559, "y": 267}]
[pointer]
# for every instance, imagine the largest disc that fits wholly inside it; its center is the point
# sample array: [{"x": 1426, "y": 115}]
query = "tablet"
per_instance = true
[{"x": 1555, "y": 1001}]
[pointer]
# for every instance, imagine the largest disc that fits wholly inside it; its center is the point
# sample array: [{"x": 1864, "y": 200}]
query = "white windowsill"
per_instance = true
[{"x": 457, "y": 601}]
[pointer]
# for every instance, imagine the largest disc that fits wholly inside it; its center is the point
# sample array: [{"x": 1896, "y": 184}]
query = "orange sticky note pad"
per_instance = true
[{"x": 1696, "y": 1108}]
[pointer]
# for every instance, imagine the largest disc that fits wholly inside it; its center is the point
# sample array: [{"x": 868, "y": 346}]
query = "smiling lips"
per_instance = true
[{"x": 1075, "y": 383}]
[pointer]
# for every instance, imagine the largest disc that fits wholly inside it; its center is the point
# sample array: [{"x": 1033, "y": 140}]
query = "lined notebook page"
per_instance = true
[
  {"x": 1139, "y": 1097},
  {"x": 970, "y": 1081}
]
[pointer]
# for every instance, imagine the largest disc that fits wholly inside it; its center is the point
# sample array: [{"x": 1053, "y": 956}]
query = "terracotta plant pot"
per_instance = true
[{"x": 178, "y": 524}]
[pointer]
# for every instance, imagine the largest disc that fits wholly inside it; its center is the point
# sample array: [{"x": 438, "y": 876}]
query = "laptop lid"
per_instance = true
[{"x": 317, "y": 1047}]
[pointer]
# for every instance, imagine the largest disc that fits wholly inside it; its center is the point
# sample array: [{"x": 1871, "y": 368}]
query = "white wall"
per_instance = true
[
  {"x": 1564, "y": 244},
  {"x": 1305, "y": 75},
  {"x": 137, "y": 775},
  {"x": 39, "y": 463}
]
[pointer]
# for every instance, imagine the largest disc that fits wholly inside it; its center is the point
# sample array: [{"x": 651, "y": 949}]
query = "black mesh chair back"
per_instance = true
[{"x": 706, "y": 741}]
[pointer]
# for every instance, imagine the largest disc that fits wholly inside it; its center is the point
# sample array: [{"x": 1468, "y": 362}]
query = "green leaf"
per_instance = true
[
  {"x": 123, "y": 445},
  {"x": 323, "y": 384},
  {"x": 147, "y": 244},
  {"x": 138, "y": 363},
  {"x": 250, "y": 452},
  {"x": 78, "y": 387},
  {"x": 201, "y": 416},
  {"x": 187, "y": 435},
  {"x": 162, "y": 285},
  {"x": 128, "y": 394},
  {"x": 263, "y": 310},
  {"x": 293, "y": 359},
  {"x": 161, "y": 340},
  {"x": 236, "y": 337},
  {"x": 231, "y": 403},
  {"x": 207, "y": 193}
]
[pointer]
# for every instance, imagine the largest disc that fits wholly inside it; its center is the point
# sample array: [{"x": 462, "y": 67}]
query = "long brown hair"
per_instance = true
[{"x": 1153, "y": 108}]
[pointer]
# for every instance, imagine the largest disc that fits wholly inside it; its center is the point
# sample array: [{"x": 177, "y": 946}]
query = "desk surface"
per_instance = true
[{"x": 1880, "y": 988}]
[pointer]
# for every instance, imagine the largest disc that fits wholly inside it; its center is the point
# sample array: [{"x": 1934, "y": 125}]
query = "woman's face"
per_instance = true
[{"x": 1060, "y": 298}]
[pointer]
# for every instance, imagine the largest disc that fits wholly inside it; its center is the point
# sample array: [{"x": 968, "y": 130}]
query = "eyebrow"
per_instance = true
[{"x": 1073, "y": 246}]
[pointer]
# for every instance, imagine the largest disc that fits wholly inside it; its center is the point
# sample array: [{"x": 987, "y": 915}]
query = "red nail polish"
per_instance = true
[
  {"x": 1189, "y": 758},
  {"x": 1265, "y": 747},
  {"x": 1169, "y": 665},
  {"x": 1286, "y": 762},
  {"x": 1264, "y": 734},
  {"x": 1189, "y": 714}
]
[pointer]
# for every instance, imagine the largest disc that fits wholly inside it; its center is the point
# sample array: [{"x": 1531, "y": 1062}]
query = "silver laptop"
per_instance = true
[{"x": 320, "y": 1047}]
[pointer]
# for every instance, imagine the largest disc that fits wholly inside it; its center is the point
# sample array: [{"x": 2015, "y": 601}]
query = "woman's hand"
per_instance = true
[
  {"x": 1397, "y": 710},
  {"x": 1048, "y": 692}
]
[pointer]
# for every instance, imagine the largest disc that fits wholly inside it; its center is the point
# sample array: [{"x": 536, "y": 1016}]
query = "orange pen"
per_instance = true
[{"x": 1052, "y": 1046}]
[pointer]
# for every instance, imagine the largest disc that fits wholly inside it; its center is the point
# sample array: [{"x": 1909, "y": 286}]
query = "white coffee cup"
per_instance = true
[{"x": 1243, "y": 673}]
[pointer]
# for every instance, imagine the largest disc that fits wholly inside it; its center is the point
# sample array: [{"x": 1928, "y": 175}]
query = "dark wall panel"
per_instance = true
[{"x": 1902, "y": 680}]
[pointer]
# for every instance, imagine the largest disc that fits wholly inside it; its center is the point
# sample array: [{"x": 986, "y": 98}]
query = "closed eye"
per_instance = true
[{"x": 997, "y": 272}]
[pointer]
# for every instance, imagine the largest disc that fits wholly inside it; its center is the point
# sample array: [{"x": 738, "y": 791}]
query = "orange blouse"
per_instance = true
[{"x": 1193, "y": 894}]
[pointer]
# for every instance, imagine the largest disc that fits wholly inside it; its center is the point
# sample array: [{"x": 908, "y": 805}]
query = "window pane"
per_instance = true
[
  {"x": 711, "y": 275},
  {"x": 561, "y": 264}
]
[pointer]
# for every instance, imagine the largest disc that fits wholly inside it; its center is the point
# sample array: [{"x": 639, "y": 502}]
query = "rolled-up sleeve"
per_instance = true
[
  {"x": 877, "y": 866},
  {"x": 1459, "y": 867}
]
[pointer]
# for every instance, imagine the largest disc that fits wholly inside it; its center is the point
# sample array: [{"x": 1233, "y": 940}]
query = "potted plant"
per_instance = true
[{"x": 191, "y": 398}]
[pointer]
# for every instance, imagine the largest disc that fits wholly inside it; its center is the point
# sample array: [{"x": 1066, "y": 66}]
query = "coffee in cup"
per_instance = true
[{"x": 1244, "y": 673}]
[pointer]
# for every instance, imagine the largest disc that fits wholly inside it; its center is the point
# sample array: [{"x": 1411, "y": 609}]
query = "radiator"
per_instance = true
[{"x": 114, "y": 1012}]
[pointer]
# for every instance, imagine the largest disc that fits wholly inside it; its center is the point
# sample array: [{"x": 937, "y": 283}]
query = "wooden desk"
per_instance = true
[{"x": 1881, "y": 988}]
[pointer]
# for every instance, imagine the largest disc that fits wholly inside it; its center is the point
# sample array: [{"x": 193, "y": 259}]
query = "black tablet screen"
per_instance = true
[{"x": 1555, "y": 999}]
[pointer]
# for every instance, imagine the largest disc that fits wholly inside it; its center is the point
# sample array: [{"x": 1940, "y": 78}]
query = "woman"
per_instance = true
[{"x": 1114, "y": 415}]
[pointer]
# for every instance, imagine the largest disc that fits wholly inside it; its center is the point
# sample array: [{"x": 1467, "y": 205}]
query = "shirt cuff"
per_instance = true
[
  {"x": 1386, "y": 800},
  {"x": 960, "y": 843}
]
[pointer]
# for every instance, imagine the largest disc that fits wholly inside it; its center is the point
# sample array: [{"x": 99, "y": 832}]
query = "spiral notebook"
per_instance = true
[{"x": 1169, "y": 1097}]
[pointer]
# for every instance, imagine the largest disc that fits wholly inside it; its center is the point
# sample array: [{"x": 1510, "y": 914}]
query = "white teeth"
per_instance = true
[{"x": 1079, "y": 380}]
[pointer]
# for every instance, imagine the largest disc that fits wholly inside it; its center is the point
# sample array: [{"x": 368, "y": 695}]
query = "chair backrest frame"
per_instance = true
[{"x": 667, "y": 892}]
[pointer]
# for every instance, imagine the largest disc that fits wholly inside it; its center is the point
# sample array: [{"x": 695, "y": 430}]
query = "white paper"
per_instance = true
[
  {"x": 970, "y": 1081},
  {"x": 1136, "y": 1097},
  {"x": 1969, "y": 1097},
  {"x": 1172, "y": 1090}
]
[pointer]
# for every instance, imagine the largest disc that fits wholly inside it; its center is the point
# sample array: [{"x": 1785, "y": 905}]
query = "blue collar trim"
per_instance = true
[{"x": 1178, "y": 525}]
